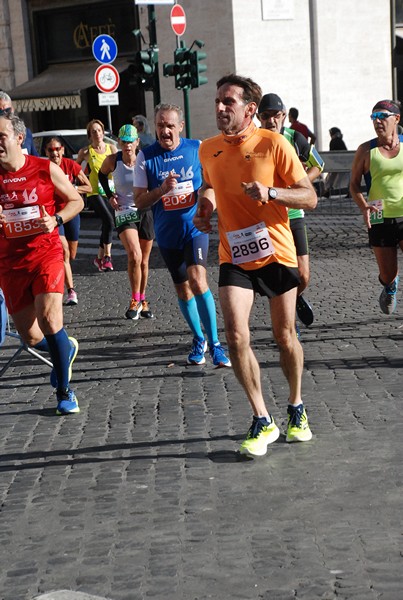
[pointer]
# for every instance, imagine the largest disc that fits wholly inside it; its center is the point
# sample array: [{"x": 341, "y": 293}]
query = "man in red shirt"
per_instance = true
[
  {"x": 301, "y": 127},
  {"x": 31, "y": 255}
]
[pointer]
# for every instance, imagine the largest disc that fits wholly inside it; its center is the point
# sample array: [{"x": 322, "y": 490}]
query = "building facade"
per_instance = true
[{"x": 331, "y": 60}]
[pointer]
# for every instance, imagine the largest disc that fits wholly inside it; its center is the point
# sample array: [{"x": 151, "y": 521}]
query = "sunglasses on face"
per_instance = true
[
  {"x": 382, "y": 116},
  {"x": 54, "y": 149},
  {"x": 5, "y": 111}
]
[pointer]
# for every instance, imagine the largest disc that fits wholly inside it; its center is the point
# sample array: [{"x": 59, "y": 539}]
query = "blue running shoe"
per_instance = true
[
  {"x": 387, "y": 299},
  {"x": 220, "y": 359},
  {"x": 72, "y": 357},
  {"x": 67, "y": 403},
  {"x": 196, "y": 356}
]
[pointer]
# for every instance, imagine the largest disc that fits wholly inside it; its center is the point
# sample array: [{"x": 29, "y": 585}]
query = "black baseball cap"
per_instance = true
[{"x": 271, "y": 102}]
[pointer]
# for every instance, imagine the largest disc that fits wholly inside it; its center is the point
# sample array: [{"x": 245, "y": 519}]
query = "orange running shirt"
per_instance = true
[{"x": 254, "y": 155}]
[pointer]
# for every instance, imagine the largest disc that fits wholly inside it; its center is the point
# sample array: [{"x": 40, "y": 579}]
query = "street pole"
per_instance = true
[
  {"x": 109, "y": 118},
  {"x": 153, "y": 44},
  {"x": 317, "y": 117},
  {"x": 393, "y": 47},
  {"x": 186, "y": 104},
  {"x": 186, "y": 109}
]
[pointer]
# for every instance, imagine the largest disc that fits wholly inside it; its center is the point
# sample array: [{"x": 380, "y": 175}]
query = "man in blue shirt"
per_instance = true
[{"x": 167, "y": 177}]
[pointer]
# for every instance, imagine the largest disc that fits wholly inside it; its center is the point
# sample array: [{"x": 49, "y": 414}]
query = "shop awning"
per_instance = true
[{"x": 59, "y": 86}]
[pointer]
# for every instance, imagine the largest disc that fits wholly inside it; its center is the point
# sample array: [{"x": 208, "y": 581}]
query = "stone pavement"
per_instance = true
[{"x": 143, "y": 495}]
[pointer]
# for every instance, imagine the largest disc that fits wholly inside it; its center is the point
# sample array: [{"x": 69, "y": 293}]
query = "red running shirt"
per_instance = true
[
  {"x": 23, "y": 245},
  {"x": 71, "y": 169}
]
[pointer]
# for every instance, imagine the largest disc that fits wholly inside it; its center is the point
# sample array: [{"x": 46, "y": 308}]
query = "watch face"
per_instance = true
[{"x": 272, "y": 193}]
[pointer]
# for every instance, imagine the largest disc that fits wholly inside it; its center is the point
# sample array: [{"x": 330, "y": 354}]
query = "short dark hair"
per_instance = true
[
  {"x": 252, "y": 92},
  {"x": 50, "y": 138},
  {"x": 293, "y": 112}
]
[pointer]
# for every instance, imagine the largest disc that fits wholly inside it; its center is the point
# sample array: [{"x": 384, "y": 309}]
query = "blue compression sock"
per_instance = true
[
  {"x": 59, "y": 350},
  {"x": 191, "y": 314},
  {"x": 206, "y": 307},
  {"x": 42, "y": 346}
]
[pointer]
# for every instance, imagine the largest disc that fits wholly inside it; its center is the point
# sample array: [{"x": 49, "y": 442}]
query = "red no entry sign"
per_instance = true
[
  {"x": 107, "y": 78},
  {"x": 178, "y": 19}
]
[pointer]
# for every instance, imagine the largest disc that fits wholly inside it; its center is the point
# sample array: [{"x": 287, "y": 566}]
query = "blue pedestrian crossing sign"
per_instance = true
[{"x": 104, "y": 49}]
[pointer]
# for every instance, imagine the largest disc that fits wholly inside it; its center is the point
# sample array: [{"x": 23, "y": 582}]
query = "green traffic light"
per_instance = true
[
  {"x": 147, "y": 60},
  {"x": 196, "y": 67},
  {"x": 168, "y": 69}
]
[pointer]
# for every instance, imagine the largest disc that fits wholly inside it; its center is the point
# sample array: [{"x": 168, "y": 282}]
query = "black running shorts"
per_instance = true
[
  {"x": 272, "y": 280},
  {"x": 300, "y": 236},
  {"x": 388, "y": 234},
  {"x": 145, "y": 226}
]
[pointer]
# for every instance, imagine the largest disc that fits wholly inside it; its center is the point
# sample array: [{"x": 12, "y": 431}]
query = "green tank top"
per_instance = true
[
  {"x": 95, "y": 161},
  {"x": 293, "y": 213},
  {"x": 387, "y": 182}
]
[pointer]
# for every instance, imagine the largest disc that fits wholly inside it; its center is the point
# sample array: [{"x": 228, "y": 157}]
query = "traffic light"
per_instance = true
[
  {"x": 145, "y": 67},
  {"x": 196, "y": 67},
  {"x": 187, "y": 67},
  {"x": 180, "y": 69}
]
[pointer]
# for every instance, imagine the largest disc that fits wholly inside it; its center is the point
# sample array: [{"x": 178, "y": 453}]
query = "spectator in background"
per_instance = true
[
  {"x": 335, "y": 180},
  {"x": 301, "y": 127},
  {"x": 6, "y": 106},
  {"x": 143, "y": 129}
]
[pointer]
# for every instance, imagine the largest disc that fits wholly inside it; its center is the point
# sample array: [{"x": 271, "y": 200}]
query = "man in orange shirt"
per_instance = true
[{"x": 251, "y": 176}]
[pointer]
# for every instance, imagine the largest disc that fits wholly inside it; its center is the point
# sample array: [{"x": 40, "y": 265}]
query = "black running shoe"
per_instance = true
[
  {"x": 304, "y": 311},
  {"x": 146, "y": 310}
]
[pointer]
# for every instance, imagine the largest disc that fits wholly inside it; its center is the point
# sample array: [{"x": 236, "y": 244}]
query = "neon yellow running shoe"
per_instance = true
[
  {"x": 298, "y": 427},
  {"x": 260, "y": 435}
]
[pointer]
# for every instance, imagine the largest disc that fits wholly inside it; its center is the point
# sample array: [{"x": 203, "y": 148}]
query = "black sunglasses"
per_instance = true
[{"x": 5, "y": 111}]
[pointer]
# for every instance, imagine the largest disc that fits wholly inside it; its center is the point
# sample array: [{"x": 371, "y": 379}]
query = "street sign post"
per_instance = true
[
  {"x": 104, "y": 49},
  {"x": 107, "y": 78},
  {"x": 178, "y": 20},
  {"x": 108, "y": 99}
]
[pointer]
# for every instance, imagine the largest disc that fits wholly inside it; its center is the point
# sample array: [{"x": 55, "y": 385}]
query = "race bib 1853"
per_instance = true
[{"x": 21, "y": 222}]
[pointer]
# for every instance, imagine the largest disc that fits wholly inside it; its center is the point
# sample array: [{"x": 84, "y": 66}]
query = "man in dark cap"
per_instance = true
[
  {"x": 380, "y": 161},
  {"x": 272, "y": 114}
]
